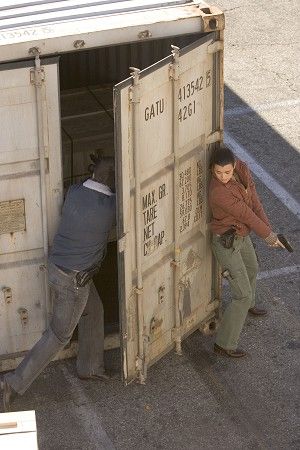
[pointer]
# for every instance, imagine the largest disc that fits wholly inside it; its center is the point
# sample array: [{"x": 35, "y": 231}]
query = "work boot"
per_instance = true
[
  {"x": 8, "y": 394},
  {"x": 257, "y": 311},
  {"x": 238, "y": 353}
]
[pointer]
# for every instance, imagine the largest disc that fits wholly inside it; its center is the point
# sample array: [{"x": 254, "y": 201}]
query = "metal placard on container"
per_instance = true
[{"x": 12, "y": 216}]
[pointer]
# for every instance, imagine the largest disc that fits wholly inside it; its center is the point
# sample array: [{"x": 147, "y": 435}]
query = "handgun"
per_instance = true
[
  {"x": 83, "y": 277},
  {"x": 285, "y": 242}
]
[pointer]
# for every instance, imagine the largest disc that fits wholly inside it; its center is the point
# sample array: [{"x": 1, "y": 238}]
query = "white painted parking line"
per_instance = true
[
  {"x": 87, "y": 415},
  {"x": 266, "y": 274},
  {"x": 278, "y": 272},
  {"x": 263, "y": 176},
  {"x": 240, "y": 110}
]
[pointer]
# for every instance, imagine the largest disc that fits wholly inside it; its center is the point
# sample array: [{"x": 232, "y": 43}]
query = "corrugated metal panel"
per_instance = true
[
  {"x": 111, "y": 64},
  {"x": 17, "y": 13}
]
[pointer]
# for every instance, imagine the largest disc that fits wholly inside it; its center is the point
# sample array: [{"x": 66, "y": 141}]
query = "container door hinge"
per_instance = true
[
  {"x": 37, "y": 76},
  {"x": 174, "y": 263},
  {"x": 212, "y": 18},
  {"x": 215, "y": 47},
  {"x": 217, "y": 136},
  {"x": 7, "y": 295},
  {"x": 174, "y": 67},
  {"x": 122, "y": 244},
  {"x": 176, "y": 337},
  {"x": 138, "y": 291},
  {"x": 173, "y": 71},
  {"x": 175, "y": 333},
  {"x": 134, "y": 91},
  {"x": 140, "y": 368}
]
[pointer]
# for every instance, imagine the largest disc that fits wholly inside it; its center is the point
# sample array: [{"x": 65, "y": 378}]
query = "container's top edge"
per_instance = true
[
  {"x": 165, "y": 61},
  {"x": 18, "y": 14}
]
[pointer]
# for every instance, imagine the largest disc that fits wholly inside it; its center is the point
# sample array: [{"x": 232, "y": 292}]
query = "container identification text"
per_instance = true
[
  {"x": 189, "y": 90},
  {"x": 151, "y": 238}
]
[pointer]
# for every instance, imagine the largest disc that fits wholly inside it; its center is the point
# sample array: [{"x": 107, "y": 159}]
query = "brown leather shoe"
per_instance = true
[
  {"x": 257, "y": 311},
  {"x": 238, "y": 353}
]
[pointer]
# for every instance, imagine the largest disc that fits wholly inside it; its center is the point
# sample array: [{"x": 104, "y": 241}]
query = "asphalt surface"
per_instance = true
[{"x": 199, "y": 400}]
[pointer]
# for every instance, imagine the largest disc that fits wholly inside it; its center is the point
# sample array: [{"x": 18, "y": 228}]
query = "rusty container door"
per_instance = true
[
  {"x": 30, "y": 200},
  {"x": 166, "y": 120}
]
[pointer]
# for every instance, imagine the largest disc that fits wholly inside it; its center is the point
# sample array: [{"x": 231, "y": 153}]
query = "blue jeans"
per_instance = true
[{"x": 71, "y": 305}]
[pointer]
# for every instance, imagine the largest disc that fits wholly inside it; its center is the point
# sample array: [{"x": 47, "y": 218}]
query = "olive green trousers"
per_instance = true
[{"x": 240, "y": 267}]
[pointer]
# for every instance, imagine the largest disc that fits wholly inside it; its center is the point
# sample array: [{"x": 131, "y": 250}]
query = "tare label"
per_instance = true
[
  {"x": 191, "y": 195},
  {"x": 154, "y": 234}
]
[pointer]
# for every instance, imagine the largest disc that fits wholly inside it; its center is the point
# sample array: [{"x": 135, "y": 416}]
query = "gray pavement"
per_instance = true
[{"x": 199, "y": 400}]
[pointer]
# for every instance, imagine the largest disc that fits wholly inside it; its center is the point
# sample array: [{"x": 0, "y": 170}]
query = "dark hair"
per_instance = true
[
  {"x": 102, "y": 169},
  {"x": 222, "y": 156}
]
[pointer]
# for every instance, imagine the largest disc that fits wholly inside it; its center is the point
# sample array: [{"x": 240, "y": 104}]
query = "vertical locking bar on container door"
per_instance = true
[
  {"x": 216, "y": 49},
  {"x": 174, "y": 75},
  {"x": 135, "y": 100},
  {"x": 218, "y": 121},
  {"x": 220, "y": 90},
  {"x": 220, "y": 65},
  {"x": 38, "y": 81}
]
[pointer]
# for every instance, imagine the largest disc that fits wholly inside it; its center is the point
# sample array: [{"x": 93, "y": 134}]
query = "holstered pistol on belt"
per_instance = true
[
  {"x": 227, "y": 238},
  {"x": 83, "y": 277}
]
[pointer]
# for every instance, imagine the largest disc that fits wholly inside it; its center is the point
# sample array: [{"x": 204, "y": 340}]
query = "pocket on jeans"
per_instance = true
[
  {"x": 235, "y": 283},
  {"x": 63, "y": 281},
  {"x": 81, "y": 291}
]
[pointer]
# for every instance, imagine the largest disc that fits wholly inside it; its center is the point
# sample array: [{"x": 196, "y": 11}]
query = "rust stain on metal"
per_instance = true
[
  {"x": 186, "y": 303},
  {"x": 155, "y": 325},
  {"x": 146, "y": 34},
  {"x": 161, "y": 293},
  {"x": 23, "y": 315},
  {"x": 190, "y": 259}
]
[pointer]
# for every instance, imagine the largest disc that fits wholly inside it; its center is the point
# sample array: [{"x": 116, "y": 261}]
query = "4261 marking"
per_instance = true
[{"x": 187, "y": 111}]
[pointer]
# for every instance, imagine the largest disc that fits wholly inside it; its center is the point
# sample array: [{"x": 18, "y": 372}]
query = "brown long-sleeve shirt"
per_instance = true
[{"x": 236, "y": 204}]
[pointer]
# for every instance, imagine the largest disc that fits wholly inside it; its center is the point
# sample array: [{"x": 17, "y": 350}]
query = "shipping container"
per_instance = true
[{"x": 140, "y": 80}]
